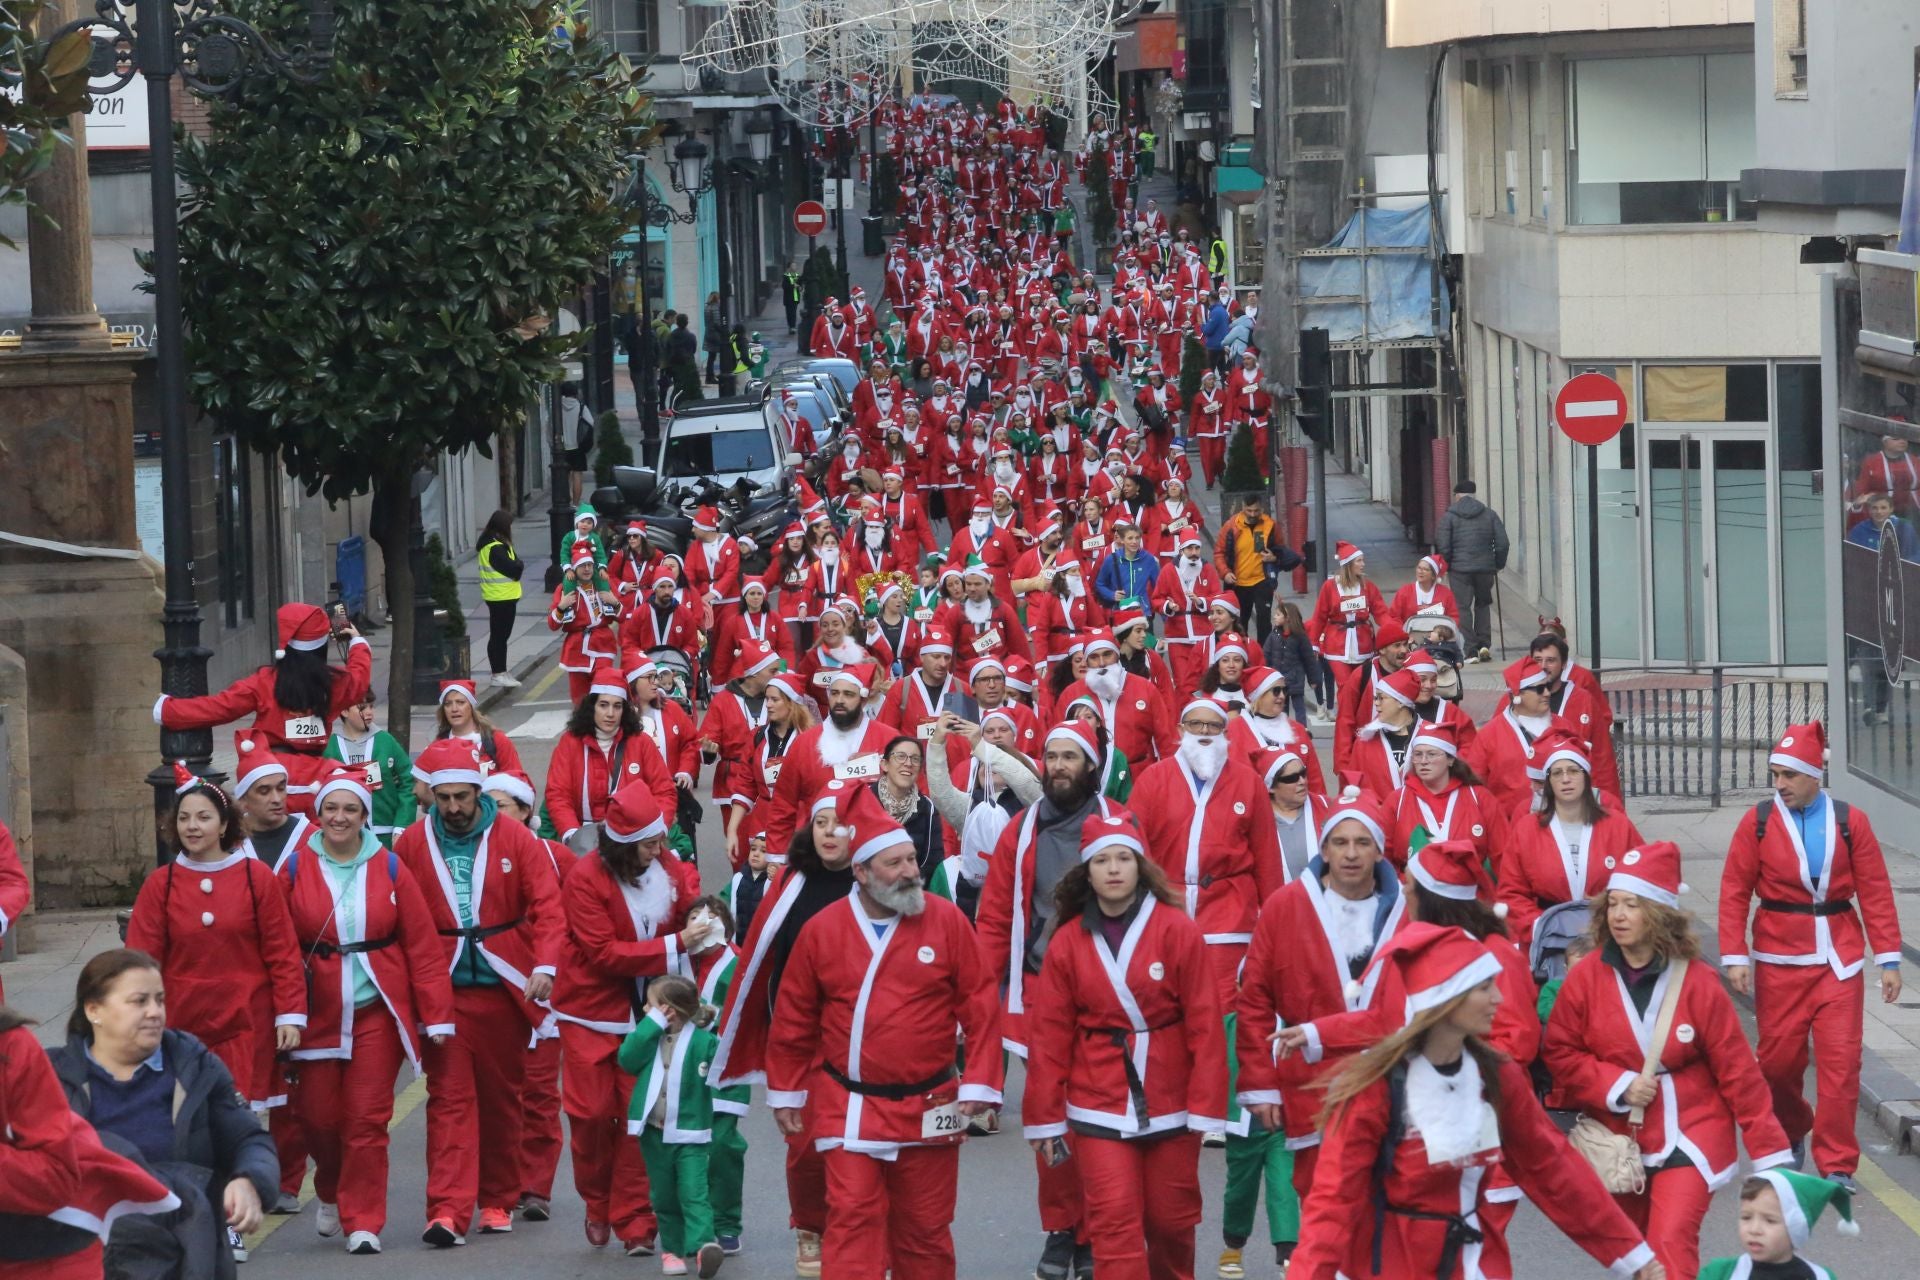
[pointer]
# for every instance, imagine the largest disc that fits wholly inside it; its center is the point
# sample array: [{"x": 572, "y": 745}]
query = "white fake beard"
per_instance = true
[
  {"x": 875, "y": 537},
  {"x": 1204, "y": 756},
  {"x": 978, "y": 612},
  {"x": 1076, "y": 586},
  {"x": 979, "y": 525},
  {"x": 1004, "y": 472},
  {"x": 1189, "y": 571},
  {"x": 829, "y": 556},
  {"x": 1107, "y": 681},
  {"x": 1448, "y": 1111}
]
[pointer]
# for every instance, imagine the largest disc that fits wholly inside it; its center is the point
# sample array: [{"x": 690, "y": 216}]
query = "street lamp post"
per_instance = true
[
  {"x": 213, "y": 54},
  {"x": 688, "y": 175}
]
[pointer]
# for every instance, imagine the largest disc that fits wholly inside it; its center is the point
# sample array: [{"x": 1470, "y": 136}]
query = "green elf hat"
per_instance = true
[
  {"x": 1803, "y": 1196},
  {"x": 586, "y": 512},
  {"x": 977, "y": 568},
  {"x": 933, "y": 560}
]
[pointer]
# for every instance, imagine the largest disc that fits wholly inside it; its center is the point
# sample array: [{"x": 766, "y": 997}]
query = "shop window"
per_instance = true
[
  {"x": 1706, "y": 393},
  {"x": 1249, "y": 247},
  {"x": 1799, "y": 445},
  {"x": 1661, "y": 139},
  {"x": 631, "y": 26},
  {"x": 1620, "y": 532}
]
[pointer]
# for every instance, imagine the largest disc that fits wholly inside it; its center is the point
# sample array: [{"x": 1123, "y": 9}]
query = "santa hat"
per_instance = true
[
  {"x": 1421, "y": 663},
  {"x": 1019, "y": 673},
  {"x": 255, "y": 765},
  {"x": 1803, "y": 1196},
  {"x": 1442, "y": 737},
  {"x": 1271, "y": 762},
  {"x": 301, "y": 626},
  {"x": 351, "y": 778},
  {"x": 459, "y": 686},
  {"x": 1652, "y": 872},
  {"x": 982, "y": 506},
  {"x": 637, "y": 664},
  {"x": 607, "y": 680},
  {"x": 860, "y": 675},
  {"x": 985, "y": 665},
  {"x": 1079, "y": 735},
  {"x": 1230, "y": 643},
  {"x": 833, "y": 793},
  {"x": 1802, "y": 748},
  {"x": 790, "y": 685},
  {"x": 1454, "y": 869},
  {"x": 583, "y": 558},
  {"x": 1437, "y": 563},
  {"x": 1119, "y": 829},
  {"x": 871, "y": 829},
  {"x": 1255, "y": 681},
  {"x": 936, "y": 641},
  {"x": 1438, "y": 964},
  {"x": 753, "y": 657},
  {"x": 446, "y": 761},
  {"x": 184, "y": 779},
  {"x": 513, "y": 784},
  {"x": 1189, "y": 537},
  {"x": 1360, "y": 809},
  {"x": 811, "y": 507},
  {"x": 1228, "y": 603},
  {"x": 633, "y": 815},
  {"x": 1388, "y": 632},
  {"x": 1206, "y": 704},
  {"x": 636, "y": 525},
  {"x": 1403, "y": 686},
  {"x": 1127, "y": 614},
  {"x": 1527, "y": 673},
  {"x": 1100, "y": 639},
  {"x": 752, "y": 584},
  {"x": 1346, "y": 553},
  {"x": 1555, "y": 747}
]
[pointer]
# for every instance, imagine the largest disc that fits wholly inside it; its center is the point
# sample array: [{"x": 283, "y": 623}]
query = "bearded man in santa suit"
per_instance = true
[
  {"x": 1181, "y": 597},
  {"x": 1209, "y": 824},
  {"x": 1139, "y": 726},
  {"x": 978, "y": 537},
  {"x": 863, "y": 1035},
  {"x": 847, "y": 746},
  {"x": 1507, "y": 744}
]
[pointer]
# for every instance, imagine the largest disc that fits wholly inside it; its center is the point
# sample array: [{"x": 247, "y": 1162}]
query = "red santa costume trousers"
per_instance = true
[
  {"x": 1213, "y": 458},
  {"x": 345, "y": 1105},
  {"x": 1143, "y": 1202},
  {"x": 540, "y": 1138},
  {"x": 1670, "y": 1212},
  {"x": 473, "y": 1106},
  {"x": 1188, "y": 665},
  {"x": 607, "y": 1169},
  {"x": 1304, "y": 1160},
  {"x": 806, "y": 1182},
  {"x": 578, "y": 682},
  {"x": 290, "y": 1143},
  {"x": 1063, "y": 1205},
  {"x": 1795, "y": 1004},
  {"x": 890, "y": 1217},
  {"x": 1344, "y": 673}
]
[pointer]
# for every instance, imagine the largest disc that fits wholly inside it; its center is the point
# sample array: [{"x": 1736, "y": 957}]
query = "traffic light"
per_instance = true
[{"x": 1313, "y": 390}]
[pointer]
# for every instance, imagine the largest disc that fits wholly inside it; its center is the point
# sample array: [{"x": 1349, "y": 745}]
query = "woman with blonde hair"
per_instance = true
[
  {"x": 1345, "y": 614},
  {"x": 459, "y": 716},
  {"x": 1413, "y": 1124}
]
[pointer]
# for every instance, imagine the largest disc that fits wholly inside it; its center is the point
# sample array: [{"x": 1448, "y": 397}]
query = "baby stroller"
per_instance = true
[
  {"x": 1557, "y": 926},
  {"x": 675, "y": 679}
]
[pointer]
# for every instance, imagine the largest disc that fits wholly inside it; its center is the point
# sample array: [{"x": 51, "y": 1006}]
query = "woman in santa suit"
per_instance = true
[
  {"x": 666, "y": 724},
  {"x": 1707, "y": 1084},
  {"x": 376, "y": 982},
  {"x": 1052, "y": 481},
  {"x": 1381, "y": 746},
  {"x": 601, "y": 752},
  {"x": 789, "y": 712},
  {"x": 1560, "y": 853},
  {"x": 744, "y": 630},
  {"x": 1345, "y": 614},
  {"x": 829, "y": 577},
  {"x": 1266, "y": 726},
  {"x": 1425, "y": 590},
  {"x": 1126, "y": 1055},
  {"x": 1413, "y": 1126},
  {"x": 625, "y": 905},
  {"x": 1064, "y": 610},
  {"x": 294, "y": 702},
  {"x": 216, "y": 920},
  {"x": 460, "y": 717},
  {"x": 1441, "y": 798},
  {"x": 786, "y": 576},
  {"x": 835, "y": 645},
  {"x": 1169, "y": 519}
]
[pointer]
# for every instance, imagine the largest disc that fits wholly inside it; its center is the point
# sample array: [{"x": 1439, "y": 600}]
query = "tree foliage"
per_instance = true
[
  {"x": 41, "y": 85},
  {"x": 1242, "y": 471},
  {"x": 1193, "y": 367}
]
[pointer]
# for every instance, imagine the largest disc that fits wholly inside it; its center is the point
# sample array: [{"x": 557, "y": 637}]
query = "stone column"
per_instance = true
[{"x": 60, "y": 253}]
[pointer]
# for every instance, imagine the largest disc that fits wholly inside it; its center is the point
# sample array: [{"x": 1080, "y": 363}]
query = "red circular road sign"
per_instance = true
[
  {"x": 809, "y": 217},
  {"x": 1590, "y": 408}
]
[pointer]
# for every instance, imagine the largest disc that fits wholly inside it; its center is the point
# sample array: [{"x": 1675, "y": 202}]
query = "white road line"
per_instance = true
[{"x": 542, "y": 725}]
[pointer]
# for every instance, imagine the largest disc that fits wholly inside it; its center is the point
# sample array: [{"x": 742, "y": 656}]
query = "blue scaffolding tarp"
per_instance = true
[{"x": 1397, "y": 288}]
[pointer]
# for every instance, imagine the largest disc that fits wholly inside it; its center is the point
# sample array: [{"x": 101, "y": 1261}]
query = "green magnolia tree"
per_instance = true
[
  {"x": 371, "y": 262},
  {"x": 41, "y": 85}
]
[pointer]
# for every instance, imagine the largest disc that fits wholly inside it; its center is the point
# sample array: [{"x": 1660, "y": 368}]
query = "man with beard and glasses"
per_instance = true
[
  {"x": 1136, "y": 716},
  {"x": 847, "y": 747},
  {"x": 862, "y": 1055},
  {"x": 1016, "y": 921},
  {"x": 1181, "y": 597}
]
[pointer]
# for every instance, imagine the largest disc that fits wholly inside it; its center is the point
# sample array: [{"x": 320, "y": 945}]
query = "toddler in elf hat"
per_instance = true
[{"x": 1777, "y": 1211}]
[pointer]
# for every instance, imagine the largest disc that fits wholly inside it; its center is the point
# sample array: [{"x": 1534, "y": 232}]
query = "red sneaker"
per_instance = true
[
  {"x": 495, "y": 1221},
  {"x": 598, "y": 1234}
]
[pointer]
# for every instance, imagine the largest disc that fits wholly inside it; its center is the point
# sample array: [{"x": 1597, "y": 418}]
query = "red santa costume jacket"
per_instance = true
[
  {"x": 1220, "y": 850},
  {"x": 1103, "y": 1019},
  {"x": 668, "y": 727},
  {"x": 1455, "y": 812},
  {"x": 1410, "y": 599},
  {"x": 15, "y": 891},
  {"x": 386, "y": 908},
  {"x": 881, "y": 1011},
  {"x": 747, "y": 1016},
  {"x": 1777, "y": 870},
  {"x": 739, "y": 631},
  {"x": 1139, "y": 724},
  {"x": 295, "y": 738},
  {"x": 1006, "y": 913},
  {"x": 913, "y": 705},
  {"x": 1342, "y": 624},
  {"x": 515, "y": 900},
  {"x": 814, "y": 758},
  {"x": 590, "y": 628},
  {"x": 224, "y": 939},
  {"x": 1294, "y": 974},
  {"x": 1528, "y": 1148},
  {"x": 617, "y": 936},
  {"x": 1542, "y": 865},
  {"x": 581, "y": 778},
  {"x": 729, "y": 724},
  {"x": 999, "y": 636},
  {"x": 1248, "y": 735},
  {"x": 1501, "y": 752},
  {"x": 642, "y": 629},
  {"x": 1709, "y": 1081}
]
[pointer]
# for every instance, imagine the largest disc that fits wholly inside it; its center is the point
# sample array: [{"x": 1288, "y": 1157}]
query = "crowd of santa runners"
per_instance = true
[{"x": 1009, "y": 746}]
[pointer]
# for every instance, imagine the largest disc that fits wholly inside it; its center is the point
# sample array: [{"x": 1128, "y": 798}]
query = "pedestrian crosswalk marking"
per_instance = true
[{"x": 543, "y": 725}]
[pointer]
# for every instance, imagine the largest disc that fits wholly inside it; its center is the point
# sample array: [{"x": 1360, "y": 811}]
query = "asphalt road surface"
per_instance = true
[{"x": 997, "y": 1227}]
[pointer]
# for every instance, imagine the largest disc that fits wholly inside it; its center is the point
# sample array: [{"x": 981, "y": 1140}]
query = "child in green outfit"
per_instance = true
[
  {"x": 669, "y": 1054},
  {"x": 1253, "y": 1154},
  {"x": 355, "y": 740},
  {"x": 1577, "y": 949},
  {"x": 715, "y": 960},
  {"x": 1777, "y": 1211},
  {"x": 586, "y": 524}
]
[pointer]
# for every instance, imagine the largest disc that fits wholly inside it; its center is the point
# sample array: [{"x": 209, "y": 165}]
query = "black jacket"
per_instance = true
[{"x": 1471, "y": 537}]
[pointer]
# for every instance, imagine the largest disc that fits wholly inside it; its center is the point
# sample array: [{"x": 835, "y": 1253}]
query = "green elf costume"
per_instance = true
[
  {"x": 588, "y": 516},
  {"x": 389, "y": 777},
  {"x": 727, "y": 1154},
  {"x": 1116, "y": 779},
  {"x": 672, "y": 1115},
  {"x": 1802, "y": 1198},
  {"x": 1254, "y": 1154}
]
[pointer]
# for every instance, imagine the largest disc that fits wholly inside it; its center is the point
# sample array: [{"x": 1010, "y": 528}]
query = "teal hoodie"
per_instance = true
[
  {"x": 346, "y": 918},
  {"x": 458, "y": 853}
]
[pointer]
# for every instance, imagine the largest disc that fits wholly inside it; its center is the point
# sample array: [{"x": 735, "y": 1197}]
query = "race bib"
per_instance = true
[
  {"x": 923, "y": 615},
  {"x": 1352, "y": 604},
  {"x": 1175, "y": 526},
  {"x": 820, "y": 678},
  {"x": 306, "y": 729},
  {"x": 373, "y": 775},
  {"x": 925, "y": 731},
  {"x": 988, "y": 641},
  {"x": 943, "y": 1121},
  {"x": 773, "y": 771},
  {"x": 1092, "y": 544},
  {"x": 859, "y": 769}
]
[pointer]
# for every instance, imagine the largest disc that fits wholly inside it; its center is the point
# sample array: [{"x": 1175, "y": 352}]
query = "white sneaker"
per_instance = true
[
  {"x": 504, "y": 681},
  {"x": 363, "y": 1242},
  {"x": 237, "y": 1245},
  {"x": 326, "y": 1218}
]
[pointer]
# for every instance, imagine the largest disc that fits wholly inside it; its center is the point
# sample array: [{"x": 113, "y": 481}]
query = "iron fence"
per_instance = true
[{"x": 1703, "y": 735}]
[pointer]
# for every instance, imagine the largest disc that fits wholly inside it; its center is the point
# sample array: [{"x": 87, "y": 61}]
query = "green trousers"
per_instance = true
[
  {"x": 726, "y": 1173},
  {"x": 1258, "y": 1154},
  {"x": 677, "y": 1184}
]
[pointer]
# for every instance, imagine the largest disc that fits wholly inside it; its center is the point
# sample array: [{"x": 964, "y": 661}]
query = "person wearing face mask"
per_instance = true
[
  {"x": 1181, "y": 595},
  {"x": 872, "y": 549},
  {"x": 981, "y": 623},
  {"x": 1266, "y": 726},
  {"x": 981, "y": 538},
  {"x": 1442, "y": 798},
  {"x": 1131, "y": 708},
  {"x": 1508, "y": 744},
  {"x": 845, "y": 468}
]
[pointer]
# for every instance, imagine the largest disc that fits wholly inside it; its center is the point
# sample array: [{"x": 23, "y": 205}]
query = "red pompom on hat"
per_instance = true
[
  {"x": 301, "y": 626},
  {"x": 1361, "y": 809},
  {"x": 871, "y": 829},
  {"x": 1388, "y": 632},
  {"x": 607, "y": 681},
  {"x": 1525, "y": 673},
  {"x": 1802, "y": 748},
  {"x": 1346, "y": 552},
  {"x": 1079, "y": 735},
  {"x": 1438, "y": 964},
  {"x": 633, "y": 815},
  {"x": 1454, "y": 869},
  {"x": 447, "y": 761},
  {"x": 256, "y": 763},
  {"x": 1403, "y": 686},
  {"x": 1652, "y": 872},
  {"x": 1117, "y": 830}
]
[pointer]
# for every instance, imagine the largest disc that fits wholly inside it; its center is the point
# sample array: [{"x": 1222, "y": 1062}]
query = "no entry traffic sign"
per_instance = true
[
  {"x": 809, "y": 218},
  {"x": 1590, "y": 408}
]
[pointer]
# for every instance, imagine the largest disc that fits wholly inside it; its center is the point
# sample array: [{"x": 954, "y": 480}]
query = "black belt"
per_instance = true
[
  {"x": 1459, "y": 1236},
  {"x": 480, "y": 932},
  {"x": 1348, "y": 623},
  {"x": 327, "y": 950},
  {"x": 1136, "y": 1087},
  {"x": 891, "y": 1092},
  {"x": 1835, "y": 908}
]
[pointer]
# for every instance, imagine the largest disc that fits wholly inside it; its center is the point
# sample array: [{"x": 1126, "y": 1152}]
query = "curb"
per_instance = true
[{"x": 522, "y": 671}]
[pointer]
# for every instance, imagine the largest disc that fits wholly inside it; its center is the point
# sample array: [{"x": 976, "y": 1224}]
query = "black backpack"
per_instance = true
[{"x": 1842, "y": 816}]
